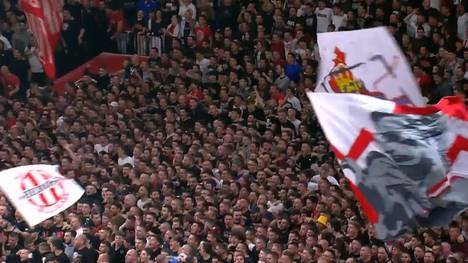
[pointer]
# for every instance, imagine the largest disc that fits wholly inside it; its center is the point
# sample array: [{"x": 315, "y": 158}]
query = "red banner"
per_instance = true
[{"x": 45, "y": 20}]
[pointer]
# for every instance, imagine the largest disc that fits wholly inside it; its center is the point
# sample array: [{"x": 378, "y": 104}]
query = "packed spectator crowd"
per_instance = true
[{"x": 208, "y": 150}]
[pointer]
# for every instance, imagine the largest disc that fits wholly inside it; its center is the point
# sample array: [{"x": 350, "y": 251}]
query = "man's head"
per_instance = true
[
  {"x": 56, "y": 246},
  {"x": 131, "y": 256},
  {"x": 429, "y": 257},
  {"x": 365, "y": 254},
  {"x": 382, "y": 254},
  {"x": 24, "y": 254},
  {"x": 162, "y": 259},
  {"x": 13, "y": 239},
  {"x": 4, "y": 70},
  {"x": 69, "y": 236},
  {"x": 80, "y": 242}
]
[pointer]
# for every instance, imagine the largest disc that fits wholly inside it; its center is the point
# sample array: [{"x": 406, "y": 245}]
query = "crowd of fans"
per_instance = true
[{"x": 208, "y": 150}]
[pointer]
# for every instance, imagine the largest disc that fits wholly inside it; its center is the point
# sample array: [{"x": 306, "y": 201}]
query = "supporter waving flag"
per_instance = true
[
  {"x": 366, "y": 61},
  {"x": 39, "y": 192},
  {"x": 407, "y": 165},
  {"x": 45, "y": 19}
]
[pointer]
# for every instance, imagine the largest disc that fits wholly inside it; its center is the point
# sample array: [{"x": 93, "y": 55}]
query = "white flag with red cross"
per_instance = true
[
  {"x": 408, "y": 166},
  {"x": 39, "y": 192}
]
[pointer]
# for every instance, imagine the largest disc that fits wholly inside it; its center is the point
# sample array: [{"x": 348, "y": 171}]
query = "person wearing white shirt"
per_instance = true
[
  {"x": 173, "y": 28},
  {"x": 35, "y": 64},
  {"x": 292, "y": 118},
  {"x": 124, "y": 157},
  {"x": 275, "y": 206},
  {"x": 324, "y": 16},
  {"x": 414, "y": 21},
  {"x": 324, "y": 173},
  {"x": 339, "y": 18},
  {"x": 290, "y": 98},
  {"x": 462, "y": 22},
  {"x": 185, "y": 5},
  {"x": 33, "y": 59},
  {"x": 125, "y": 160},
  {"x": 101, "y": 148},
  {"x": 103, "y": 145}
]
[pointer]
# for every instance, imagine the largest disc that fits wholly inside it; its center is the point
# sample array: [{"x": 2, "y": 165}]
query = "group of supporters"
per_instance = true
[{"x": 208, "y": 150}]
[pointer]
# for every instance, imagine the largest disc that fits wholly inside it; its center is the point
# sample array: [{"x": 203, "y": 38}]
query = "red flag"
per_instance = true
[{"x": 45, "y": 20}]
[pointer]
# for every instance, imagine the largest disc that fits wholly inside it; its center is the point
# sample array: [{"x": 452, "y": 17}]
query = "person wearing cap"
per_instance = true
[
  {"x": 88, "y": 229},
  {"x": 57, "y": 248}
]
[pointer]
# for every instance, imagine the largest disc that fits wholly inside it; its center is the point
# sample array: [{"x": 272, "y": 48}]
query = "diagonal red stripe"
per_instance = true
[
  {"x": 363, "y": 140},
  {"x": 437, "y": 186},
  {"x": 368, "y": 209},
  {"x": 338, "y": 153},
  {"x": 460, "y": 144},
  {"x": 441, "y": 184},
  {"x": 451, "y": 106},
  {"x": 54, "y": 194}
]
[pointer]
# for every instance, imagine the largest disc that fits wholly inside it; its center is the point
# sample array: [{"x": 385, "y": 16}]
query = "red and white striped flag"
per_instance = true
[{"x": 45, "y": 19}]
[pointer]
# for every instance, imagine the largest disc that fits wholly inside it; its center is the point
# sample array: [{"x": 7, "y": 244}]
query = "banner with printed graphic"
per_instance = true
[
  {"x": 408, "y": 166},
  {"x": 39, "y": 192},
  {"x": 368, "y": 62}
]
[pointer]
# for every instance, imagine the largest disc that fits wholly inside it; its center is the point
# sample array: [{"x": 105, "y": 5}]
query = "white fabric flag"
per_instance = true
[
  {"x": 39, "y": 191},
  {"x": 407, "y": 165},
  {"x": 368, "y": 62}
]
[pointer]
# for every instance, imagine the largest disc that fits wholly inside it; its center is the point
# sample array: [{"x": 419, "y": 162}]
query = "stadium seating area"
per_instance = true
[{"x": 208, "y": 150}]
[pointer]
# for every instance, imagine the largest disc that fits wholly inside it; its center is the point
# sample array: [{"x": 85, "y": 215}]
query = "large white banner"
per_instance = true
[
  {"x": 408, "y": 166},
  {"x": 39, "y": 192},
  {"x": 368, "y": 62}
]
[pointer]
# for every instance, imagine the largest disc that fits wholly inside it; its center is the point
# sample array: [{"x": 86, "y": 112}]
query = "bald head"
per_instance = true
[
  {"x": 80, "y": 241},
  {"x": 131, "y": 256}
]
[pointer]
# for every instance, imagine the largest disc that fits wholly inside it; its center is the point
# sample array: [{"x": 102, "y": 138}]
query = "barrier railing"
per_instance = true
[{"x": 144, "y": 43}]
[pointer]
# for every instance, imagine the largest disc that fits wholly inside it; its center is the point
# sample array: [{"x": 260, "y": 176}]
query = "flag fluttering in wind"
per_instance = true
[
  {"x": 39, "y": 191},
  {"x": 45, "y": 19},
  {"x": 408, "y": 166},
  {"x": 366, "y": 61}
]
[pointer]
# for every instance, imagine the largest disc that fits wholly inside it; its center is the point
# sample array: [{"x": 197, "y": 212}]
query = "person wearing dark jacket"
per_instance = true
[
  {"x": 82, "y": 250},
  {"x": 57, "y": 248}
]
